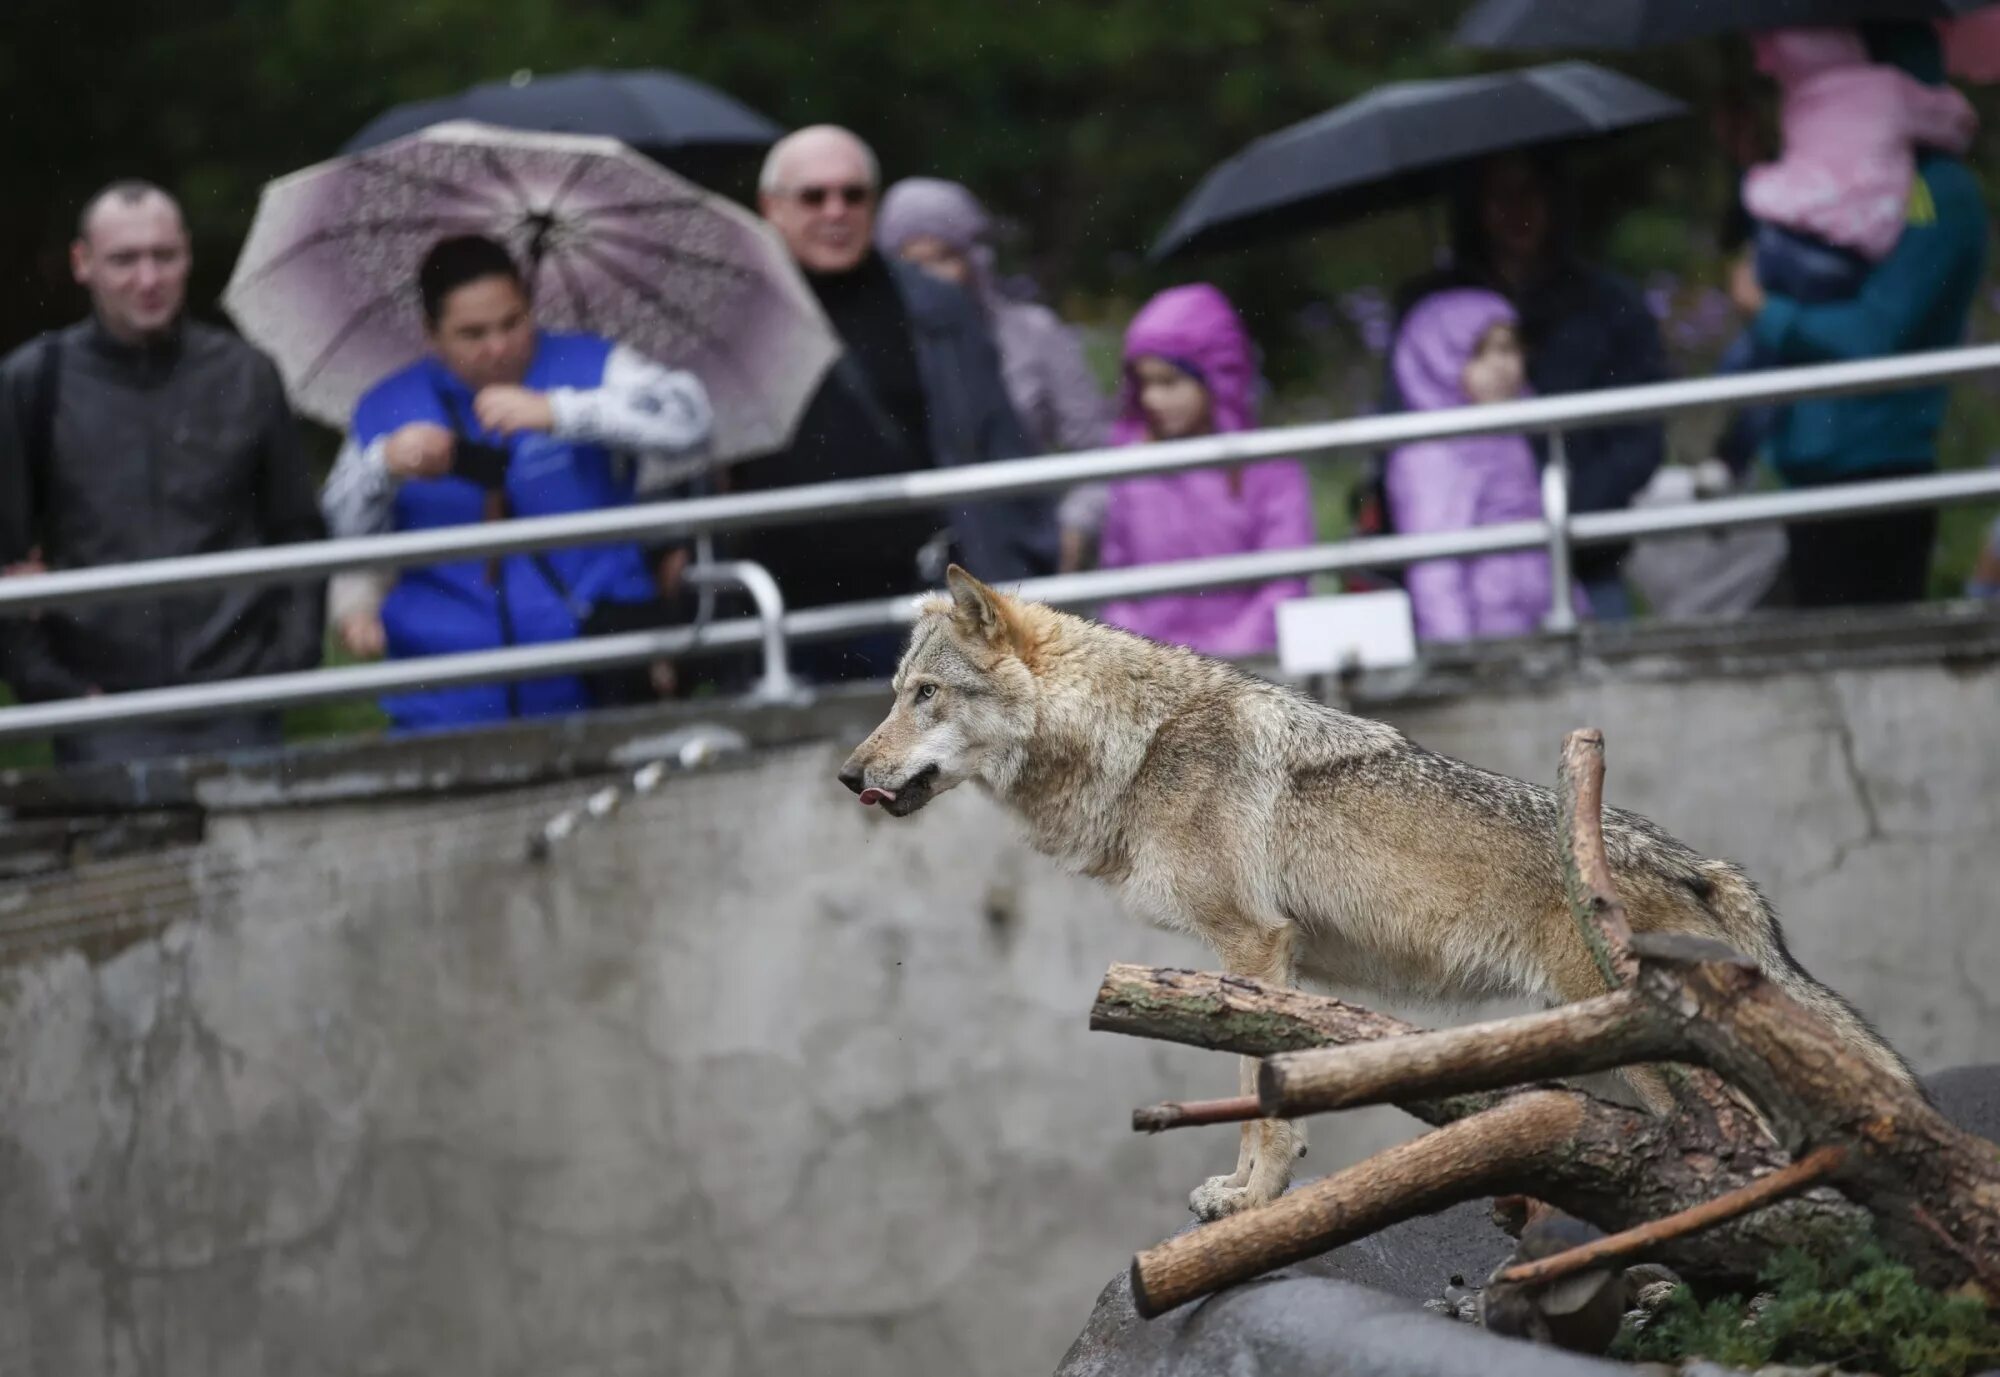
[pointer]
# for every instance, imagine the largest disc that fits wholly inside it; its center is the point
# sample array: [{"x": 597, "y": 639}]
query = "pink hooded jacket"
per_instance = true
[
  {"x": 1193, "y": 515},
  {"x": 1850, "y": 129},
  {"x": 1453, "y": 485}
]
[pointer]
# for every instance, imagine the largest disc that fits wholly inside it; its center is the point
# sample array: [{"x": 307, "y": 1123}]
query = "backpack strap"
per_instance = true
[{"x": 41, "y": 435}]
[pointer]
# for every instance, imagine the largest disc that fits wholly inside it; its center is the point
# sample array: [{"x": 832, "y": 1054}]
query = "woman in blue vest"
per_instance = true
[{"x": 500, "y": 419}]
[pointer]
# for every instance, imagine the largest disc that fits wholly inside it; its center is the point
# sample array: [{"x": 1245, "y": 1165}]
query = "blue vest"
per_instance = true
[{"x": 440, "y": 609}]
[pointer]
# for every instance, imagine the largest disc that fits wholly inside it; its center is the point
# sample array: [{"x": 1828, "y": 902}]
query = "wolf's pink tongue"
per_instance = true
[{"x": 871, "y": 797}]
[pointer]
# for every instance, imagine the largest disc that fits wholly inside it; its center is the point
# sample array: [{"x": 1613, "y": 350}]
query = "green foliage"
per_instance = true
[{"x": 1857, "y": 1309}]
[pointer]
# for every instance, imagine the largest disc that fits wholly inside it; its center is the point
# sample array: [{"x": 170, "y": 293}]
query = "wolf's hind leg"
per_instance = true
[{"x": 1577, "y": 978}]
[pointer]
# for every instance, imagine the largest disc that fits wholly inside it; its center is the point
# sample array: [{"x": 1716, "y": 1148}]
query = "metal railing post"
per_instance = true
[
  {"x": 777, "y": 684},
  {"x": 1555, "y": 510}
]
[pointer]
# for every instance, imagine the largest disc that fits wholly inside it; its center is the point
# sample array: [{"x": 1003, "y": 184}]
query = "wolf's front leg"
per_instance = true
[
  {"x": 1264, "y": 1156},
  {"x": 1269, "y": 1146}
]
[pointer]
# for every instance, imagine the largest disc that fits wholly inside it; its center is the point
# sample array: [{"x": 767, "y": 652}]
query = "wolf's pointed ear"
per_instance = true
[{"x": 973, "y": 605}]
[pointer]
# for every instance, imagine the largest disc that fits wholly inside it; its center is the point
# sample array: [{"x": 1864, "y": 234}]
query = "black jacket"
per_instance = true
[
  {"x": 182, "y": 447},
  {"x": 845, "y": 435}
]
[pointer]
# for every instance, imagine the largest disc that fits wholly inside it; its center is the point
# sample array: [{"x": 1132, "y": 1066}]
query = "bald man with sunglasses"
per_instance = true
[{"x": 917, "y": 386}]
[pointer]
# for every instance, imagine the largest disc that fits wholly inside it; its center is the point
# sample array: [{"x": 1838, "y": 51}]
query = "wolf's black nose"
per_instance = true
[{"x": 851, "y": 777}]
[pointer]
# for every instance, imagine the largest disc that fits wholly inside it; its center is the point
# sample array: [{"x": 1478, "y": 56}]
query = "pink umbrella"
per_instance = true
[{"x": 610, "y": 241}]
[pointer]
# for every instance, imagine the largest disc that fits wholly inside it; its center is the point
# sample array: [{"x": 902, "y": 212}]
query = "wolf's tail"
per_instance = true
[{"x": 1751, "y": 925}]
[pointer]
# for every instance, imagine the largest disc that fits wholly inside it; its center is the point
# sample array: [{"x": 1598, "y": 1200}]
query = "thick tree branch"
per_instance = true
[
  {"x": 1599, "y": 1034},
  {"x": 1502, "y": 1146},
  {"x": 1232, "y": 1014}
]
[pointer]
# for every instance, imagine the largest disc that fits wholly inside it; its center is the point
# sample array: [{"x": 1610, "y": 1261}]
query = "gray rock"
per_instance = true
[{"x": 1650, "y": 1273}]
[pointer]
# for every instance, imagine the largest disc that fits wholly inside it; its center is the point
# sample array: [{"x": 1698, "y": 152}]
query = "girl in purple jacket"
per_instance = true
[
  {"x": 1189, "y": 371},
  {"x": 1458, "y": 347}
]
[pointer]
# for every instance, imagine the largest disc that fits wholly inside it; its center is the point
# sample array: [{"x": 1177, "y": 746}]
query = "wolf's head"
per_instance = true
[{"x": 965, "y": 698}]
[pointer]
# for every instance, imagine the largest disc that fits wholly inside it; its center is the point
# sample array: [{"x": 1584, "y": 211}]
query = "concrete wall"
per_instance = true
[{"x": 745, "y": 1079}]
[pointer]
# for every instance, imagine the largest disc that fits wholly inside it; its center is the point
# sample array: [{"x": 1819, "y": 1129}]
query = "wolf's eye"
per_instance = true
[{"x": 926, "y": 692}]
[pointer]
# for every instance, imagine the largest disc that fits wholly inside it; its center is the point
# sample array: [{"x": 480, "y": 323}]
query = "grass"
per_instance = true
[{"x": 1859, "y": 1310}]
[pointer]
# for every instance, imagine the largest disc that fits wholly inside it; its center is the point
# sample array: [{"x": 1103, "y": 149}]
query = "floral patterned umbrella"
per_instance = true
[{"x": 610, "y": 242}]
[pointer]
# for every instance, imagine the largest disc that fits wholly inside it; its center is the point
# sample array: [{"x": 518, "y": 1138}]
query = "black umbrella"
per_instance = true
[
  {"x": 658, "y": 112},
  {"x": 1399, "y": 142},
  {"x": 1639, "y": 23}
]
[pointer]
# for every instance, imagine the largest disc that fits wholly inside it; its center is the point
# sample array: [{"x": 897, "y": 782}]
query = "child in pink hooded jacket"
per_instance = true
[
  {"x": 1851, "y": 129},
  {"x": 1458, "y": 347},
  {"x": 1189, "y": 371}
]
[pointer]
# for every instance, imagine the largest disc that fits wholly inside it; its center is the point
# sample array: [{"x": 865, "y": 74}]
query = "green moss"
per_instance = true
[{"x": 1855, "y": 1308}]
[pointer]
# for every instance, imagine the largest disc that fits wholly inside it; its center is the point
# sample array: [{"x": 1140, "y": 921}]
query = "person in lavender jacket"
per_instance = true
[
  {"x": 1457, "y": 347},
  {"x": 1189, "y": 371}
]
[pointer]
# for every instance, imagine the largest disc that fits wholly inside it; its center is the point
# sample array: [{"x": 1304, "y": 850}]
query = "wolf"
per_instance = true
[{"x": 1300, "y": 842}]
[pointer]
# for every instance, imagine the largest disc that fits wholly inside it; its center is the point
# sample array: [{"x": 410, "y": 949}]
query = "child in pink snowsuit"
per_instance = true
[
  {"x": 1850, "y": 128},
  {"x": 1457, "y": 347},
  {"x": 1834, "y": 203},
  {"x": 1189, "y": 370}
]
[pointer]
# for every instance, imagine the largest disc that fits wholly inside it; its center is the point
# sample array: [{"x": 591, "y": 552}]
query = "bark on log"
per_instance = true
[
  {"x": 1232, "y": 1014},
  {"x": 1599, "y": 1034}
]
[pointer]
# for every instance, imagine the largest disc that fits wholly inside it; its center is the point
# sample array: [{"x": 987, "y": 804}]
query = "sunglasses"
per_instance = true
[{"x": 850, "y": 193}]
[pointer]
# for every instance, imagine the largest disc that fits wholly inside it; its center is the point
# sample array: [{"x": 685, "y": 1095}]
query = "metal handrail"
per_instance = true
[
  {"x": 777, "y": 684},
  {"x": 1561, "y": 617},
  {"x": 1005, "y": 478},
  {"x": 1063, "y": 590}
]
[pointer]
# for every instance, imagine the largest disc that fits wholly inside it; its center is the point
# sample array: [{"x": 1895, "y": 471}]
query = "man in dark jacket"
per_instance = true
[
  {"x": 1584, "y": 329},
  {"x": 138, "y": 434},
  {"x": 919, "y": 386}
]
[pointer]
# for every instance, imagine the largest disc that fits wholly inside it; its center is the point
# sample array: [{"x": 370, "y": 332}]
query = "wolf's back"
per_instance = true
[
  {"x": 1751, "y": 926},
  {"x": 1687, "y": 891}
]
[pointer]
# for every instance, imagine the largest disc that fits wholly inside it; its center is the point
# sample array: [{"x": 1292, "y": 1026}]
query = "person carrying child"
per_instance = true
[{"x": 1834, "y": 203}]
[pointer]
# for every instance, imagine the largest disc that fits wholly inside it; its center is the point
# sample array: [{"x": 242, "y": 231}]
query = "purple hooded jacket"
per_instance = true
[
  {"x": 1452, "y": 485},
  {"x": 1263, "y": 506}
]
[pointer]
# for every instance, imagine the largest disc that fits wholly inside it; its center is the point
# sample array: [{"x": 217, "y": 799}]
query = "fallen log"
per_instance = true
[
  {"x": 1618, "y": 1167},
  {"x": 1493, "y": 1150}
]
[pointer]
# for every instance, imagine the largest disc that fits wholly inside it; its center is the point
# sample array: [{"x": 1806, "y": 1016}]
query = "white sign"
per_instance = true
[{"x": 1358, "y": 630}]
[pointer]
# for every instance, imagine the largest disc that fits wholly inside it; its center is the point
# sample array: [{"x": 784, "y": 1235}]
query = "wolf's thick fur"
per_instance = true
[{"x": 1297, "y": 840}]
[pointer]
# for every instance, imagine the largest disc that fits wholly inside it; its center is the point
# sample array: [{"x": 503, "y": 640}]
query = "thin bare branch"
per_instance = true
[
  {"x": 1814, "y": 1167},
  {"x": 1155, "y": 1118},
  {"x": 1593, "y": 900}
]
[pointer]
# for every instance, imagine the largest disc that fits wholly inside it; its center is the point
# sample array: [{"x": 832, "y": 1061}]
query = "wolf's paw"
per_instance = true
[{"x": 1217, "y": 1197}]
